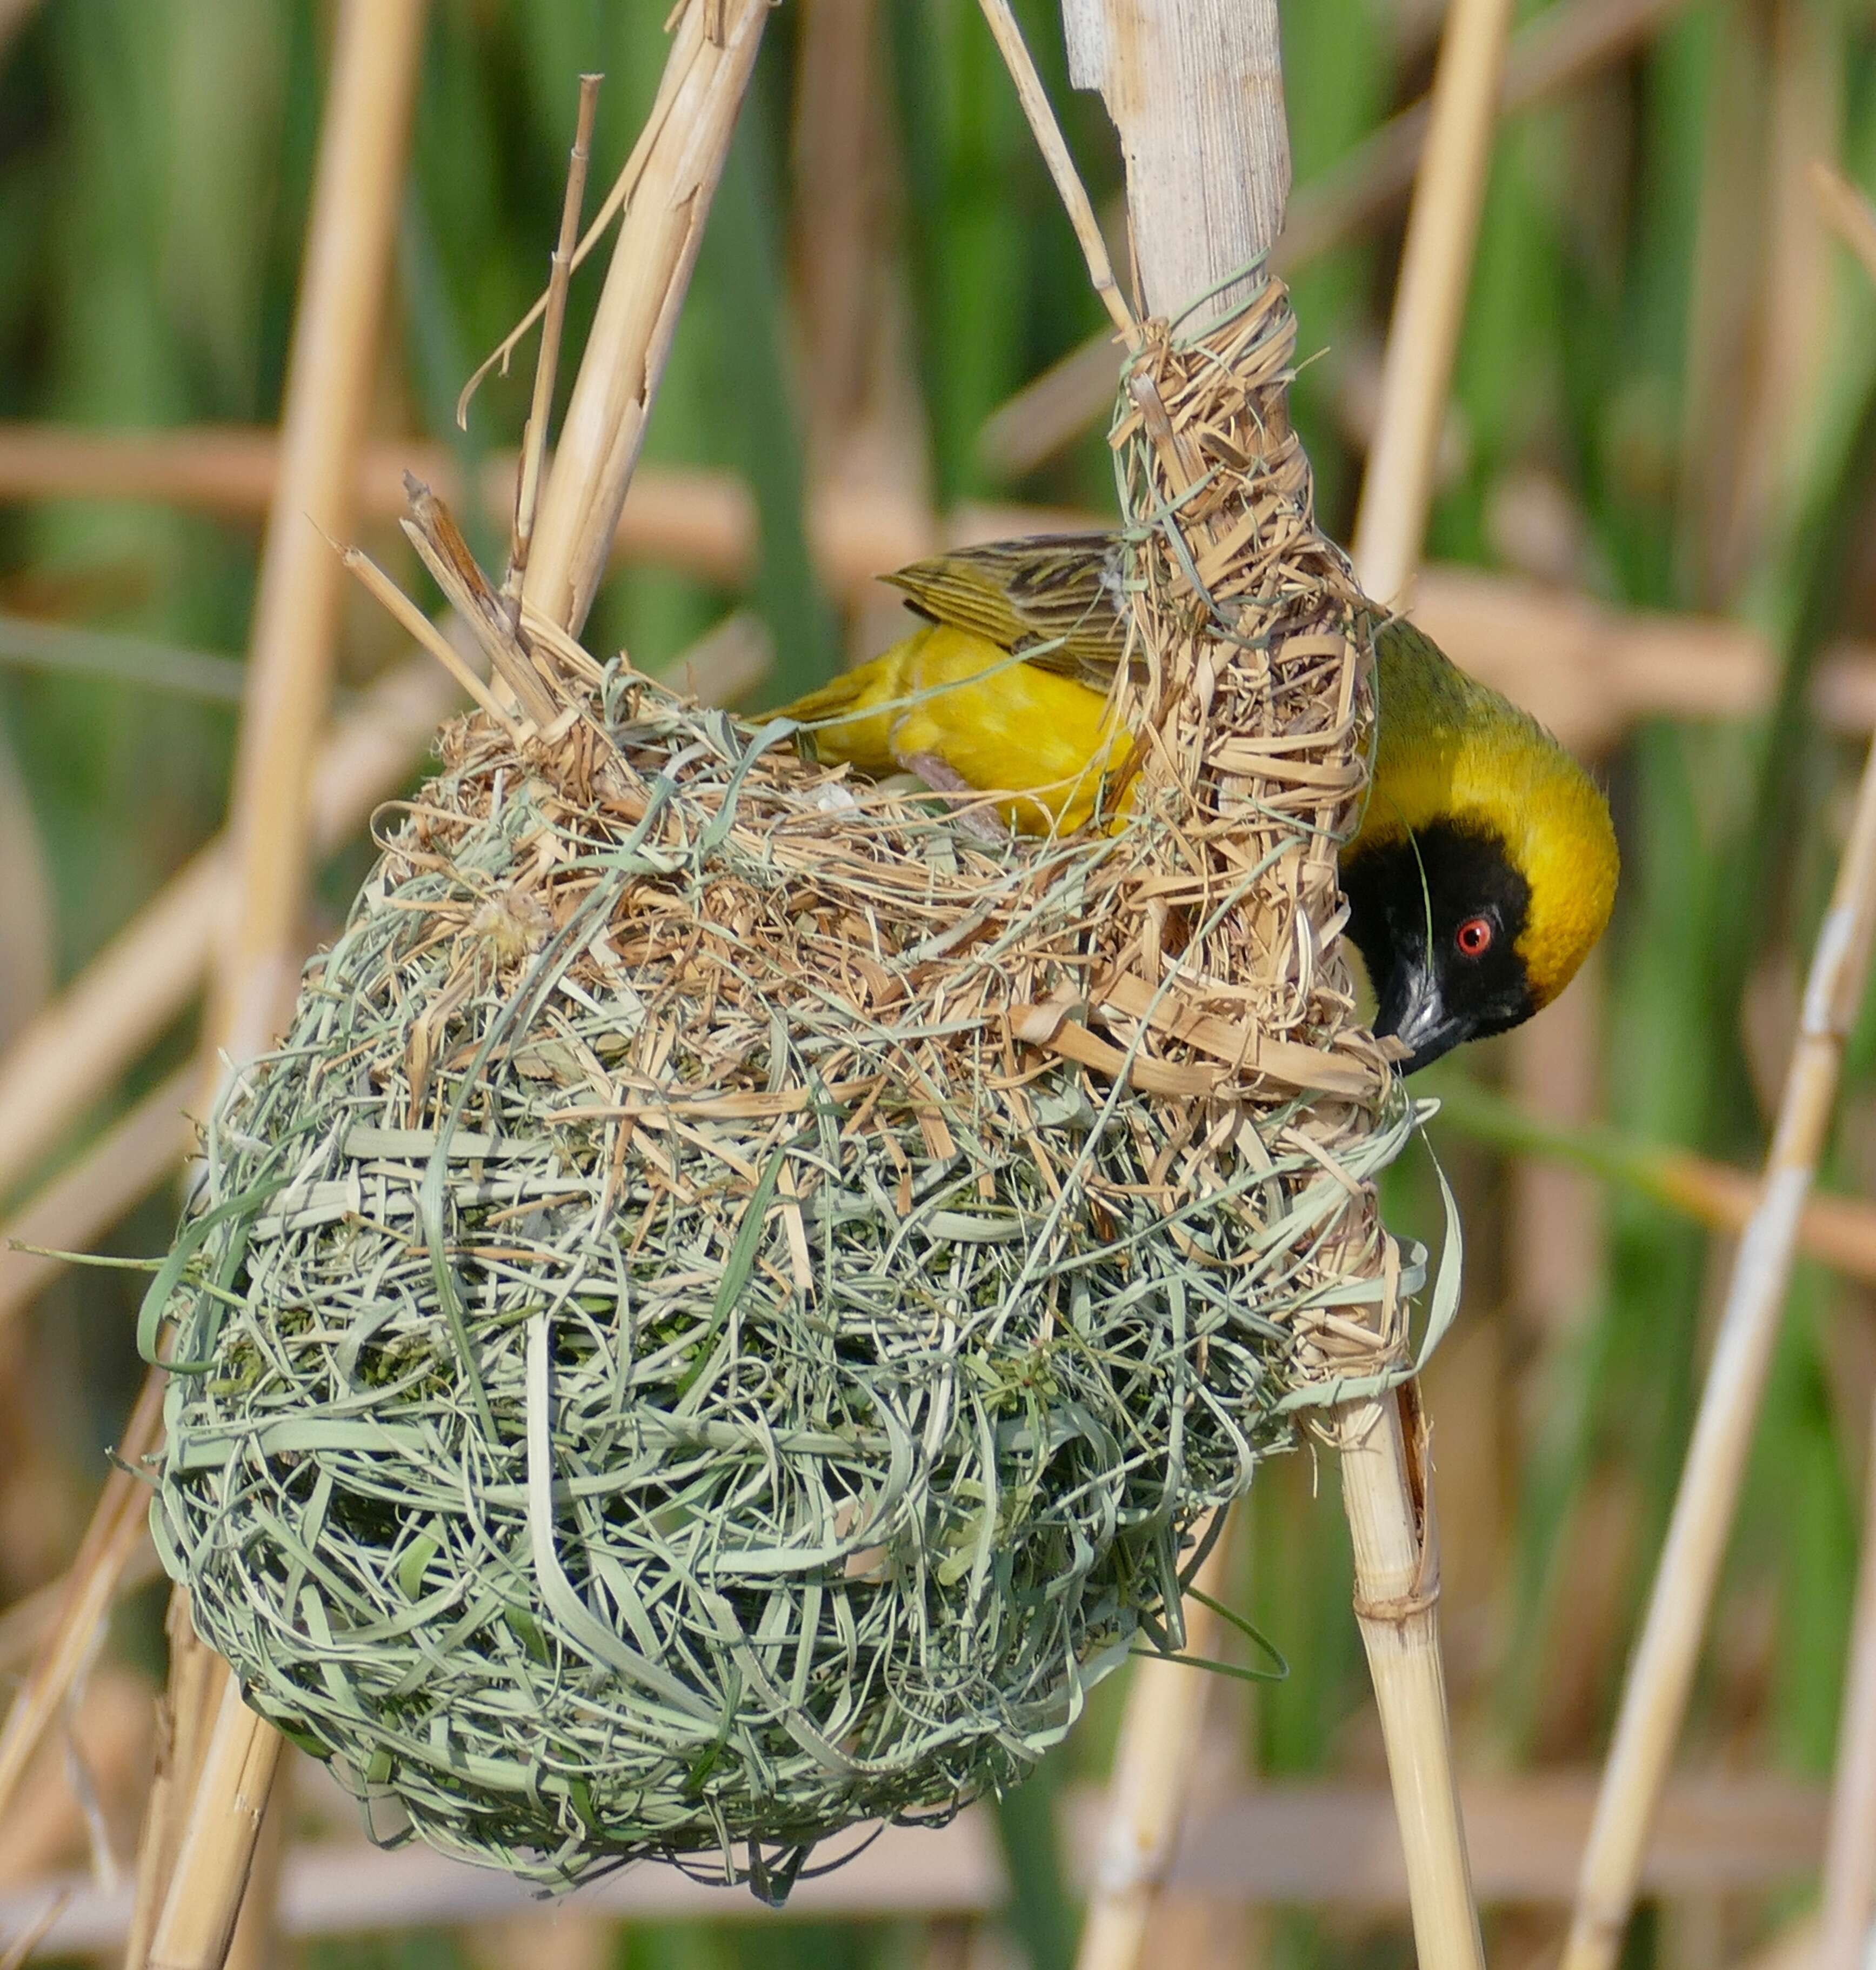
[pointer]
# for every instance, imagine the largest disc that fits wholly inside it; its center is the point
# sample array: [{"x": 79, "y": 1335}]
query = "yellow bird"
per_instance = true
[{"x": 1484, "y": 868}]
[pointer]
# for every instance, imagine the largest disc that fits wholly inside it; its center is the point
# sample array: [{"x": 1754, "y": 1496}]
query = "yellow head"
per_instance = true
[{"x": 1485, "y": 867}]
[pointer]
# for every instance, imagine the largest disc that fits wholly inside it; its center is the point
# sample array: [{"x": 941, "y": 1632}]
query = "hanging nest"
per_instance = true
[{"x": 739, "y": 1297}]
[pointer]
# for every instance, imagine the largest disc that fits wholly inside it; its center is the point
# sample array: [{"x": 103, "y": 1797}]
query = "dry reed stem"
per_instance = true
[
  {"x": 259, "y": 1929},
  {"x": 1849, "y": 1884},
  {"x": 1562, "y": 46},
  {"x": 1661, "y": 1671},
  {"x": 687, "y": 140},
  {"x": 1146, "y": 1790},
  {"x": 431, "y": 529},
  {"x": 1041, "y": 117},
  {"x": 1386, "y": 1494},
  {"x": 360, "y": 175},
  {"x": 560, "y": 276},
  {"x": 1386, "y": 1474},
  {"x": 1429, "y": 302},
  {"x": 358, "y": 180},
  {"x": 118, "y": 1528},
  {"x": 1132, "y": 61},
  {"x": 417, "y": 625},
  {"x": 28, "y": 1623},
  {"x": 1585, "y": 670},
  {"x": 217, "y": 1846},
  {"x": 183, "y": 1713}
]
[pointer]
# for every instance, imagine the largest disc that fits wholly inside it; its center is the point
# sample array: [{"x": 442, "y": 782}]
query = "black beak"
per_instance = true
[{"x": 1412, "y": 1011}]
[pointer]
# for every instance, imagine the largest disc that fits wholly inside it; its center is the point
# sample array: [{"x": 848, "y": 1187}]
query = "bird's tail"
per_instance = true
[
  {"x": 840, "y": 698},
  {"x": 844, "y": 717}
]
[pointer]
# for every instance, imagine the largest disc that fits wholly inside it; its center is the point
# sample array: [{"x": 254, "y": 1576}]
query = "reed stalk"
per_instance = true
[
  {"x": 1146, "y": 1793},
  {"x": 1187, "y": 87},
  {"x": 1562, "y": 47},
  {"x": 210, "y": 1828},
  {"x": 679, "y": 164},
  {"x": 116, "y": 1531},
  {"x": 1660, "y": 1673},
  {"x": 1386, "y": 1475},
  {"x": 1429, "y": 302},
  {"x": 1848, "y": 1898}
]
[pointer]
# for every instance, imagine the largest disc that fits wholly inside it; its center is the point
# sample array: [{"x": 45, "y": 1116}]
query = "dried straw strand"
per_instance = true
[
  {"x": 560, "y": 277},
  {"x": 1041, "y": 116}
]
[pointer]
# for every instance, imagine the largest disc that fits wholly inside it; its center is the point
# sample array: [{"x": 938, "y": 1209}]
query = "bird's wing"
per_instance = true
[{"x": 1053, "y": 600}]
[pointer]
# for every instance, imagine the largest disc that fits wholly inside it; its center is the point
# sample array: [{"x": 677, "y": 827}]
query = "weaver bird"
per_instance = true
[{"x": 1484, "y": 866}]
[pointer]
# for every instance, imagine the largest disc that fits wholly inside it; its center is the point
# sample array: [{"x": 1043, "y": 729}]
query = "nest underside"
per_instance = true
[{"x": 737, "y": 1299}]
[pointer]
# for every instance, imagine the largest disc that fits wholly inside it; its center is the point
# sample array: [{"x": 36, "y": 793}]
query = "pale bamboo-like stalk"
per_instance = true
[
  {"x": 216, "y": 1848},
  {"x": 296, "y": 612},
  {"x": 547, "y": 365},
  {"x": 184, "y": 1712},
  {"x": 1386, "y": 1478},
  {"x": 687, "y": 142},
  {"x": 1387, "y": 1495},
  {"x": 1429, "y": 302},
  {"x": 1160, "y": 1739},
  {"x": 1848, "y": 1907},
  {"x": 116, "y": 1530},
  {"x": 1564, "y": 45},
  {"x": 1165, "y": 70},
  {"x": 358, "y": 181},
  {"x": 1661, "y": 1675}
]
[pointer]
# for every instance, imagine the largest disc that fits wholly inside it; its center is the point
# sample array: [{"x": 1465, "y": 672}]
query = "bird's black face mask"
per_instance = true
[{"x": 1437, "y": 919}]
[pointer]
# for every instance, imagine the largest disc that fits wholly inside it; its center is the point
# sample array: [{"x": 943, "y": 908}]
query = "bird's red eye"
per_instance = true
[{"x": 1473, "y": 936}]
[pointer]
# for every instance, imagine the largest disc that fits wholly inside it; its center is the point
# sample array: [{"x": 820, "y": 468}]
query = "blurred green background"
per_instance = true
[{"x": 1665, "y": 399}]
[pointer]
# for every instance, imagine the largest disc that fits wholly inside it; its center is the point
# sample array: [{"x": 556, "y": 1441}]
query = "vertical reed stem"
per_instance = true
[
  {"x": 210, "y": 1828},
  {"x": 687, "y": 140},
  {"x": 547, "y": 365},
  {"x": 1849, "y": 1897},
  {"x": 1429, "y": 302},
  {"x": 1195, "y": 88},
  {"x": 1146, "y": 1793},
  {"x": 1660, "y": 1674}
]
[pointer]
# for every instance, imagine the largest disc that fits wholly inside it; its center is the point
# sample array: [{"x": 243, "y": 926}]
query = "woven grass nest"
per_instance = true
[{"x": 737, "y": 1298}]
